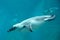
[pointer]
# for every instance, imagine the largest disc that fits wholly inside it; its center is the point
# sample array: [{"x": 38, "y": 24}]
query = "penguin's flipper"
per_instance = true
[
  {"x": 29, "y": 27},
  {"x": 13, "y": 28}
]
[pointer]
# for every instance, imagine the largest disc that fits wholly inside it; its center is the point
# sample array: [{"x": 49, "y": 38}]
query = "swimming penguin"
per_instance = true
[{"x": 30, "y": 21}]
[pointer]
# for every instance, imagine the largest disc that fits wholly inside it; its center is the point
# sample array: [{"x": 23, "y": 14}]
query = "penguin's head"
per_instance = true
[{"x": 49, "y": 17}]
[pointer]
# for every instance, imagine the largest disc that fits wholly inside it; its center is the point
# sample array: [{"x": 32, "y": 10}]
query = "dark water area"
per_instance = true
[{"x": 14, "y": 11}]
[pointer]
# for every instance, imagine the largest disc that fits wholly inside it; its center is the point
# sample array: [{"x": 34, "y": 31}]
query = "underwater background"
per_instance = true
[{"x": 14, "y": 11}]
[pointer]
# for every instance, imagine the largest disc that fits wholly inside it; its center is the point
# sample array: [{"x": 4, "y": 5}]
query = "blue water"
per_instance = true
[{"x": 14, "y": 11}]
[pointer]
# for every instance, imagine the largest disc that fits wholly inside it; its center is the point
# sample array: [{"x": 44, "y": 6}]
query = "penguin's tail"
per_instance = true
[{"x": 13, "y": 28}]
